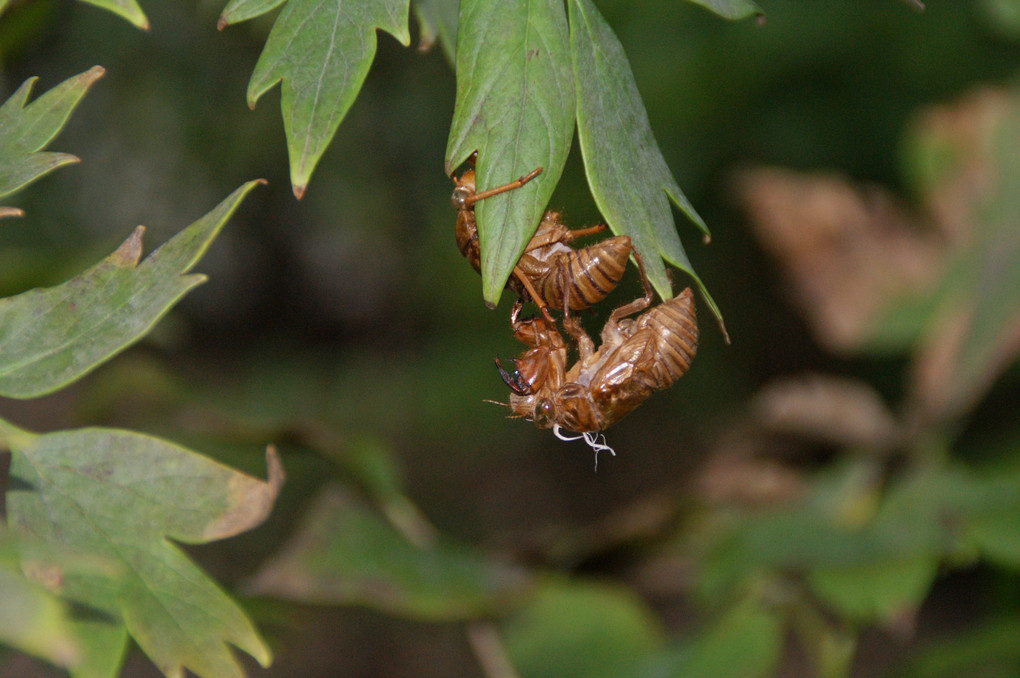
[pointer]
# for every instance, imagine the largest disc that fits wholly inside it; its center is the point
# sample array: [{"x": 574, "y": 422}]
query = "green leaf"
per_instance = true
[
  {"x": 124, "y": 496},
  {"x": 880, "y": 590},
  {"x": 985, "y": 648},
  {"x": 321, "y": 51},
  {"x": 237, "y": 11},
  {"x": 745, "y": 642},
  {"x": 627, "y": 174},
  {"x": 581, "y": 629},
  {"x": 438, "y": 19},
  {"x": 345, "y": 553},
  {"x": 50, "y": 337},
  {"x": 515, "y": 105},
  {"x": 126, "y": 9},
  {"x": 26, "y": 129},
  {"x": 32, "y": 619},
  {"x": 731, "y": 9}
]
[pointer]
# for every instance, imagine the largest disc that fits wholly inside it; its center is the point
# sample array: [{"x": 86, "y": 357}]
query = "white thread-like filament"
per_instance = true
[{"x": 591, "y": 438}]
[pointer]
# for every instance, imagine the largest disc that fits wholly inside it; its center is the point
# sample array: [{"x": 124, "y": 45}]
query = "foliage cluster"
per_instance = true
[{"x": 819, "y": 514}]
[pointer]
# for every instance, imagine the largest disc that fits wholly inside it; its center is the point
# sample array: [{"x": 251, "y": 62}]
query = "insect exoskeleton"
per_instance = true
[
  {"x": 550, "y": 272},
  {"x": 637, "y": 356}
]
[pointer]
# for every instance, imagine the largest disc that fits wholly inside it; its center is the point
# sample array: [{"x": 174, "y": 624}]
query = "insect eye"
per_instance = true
[{"x": 544, "y": 413}]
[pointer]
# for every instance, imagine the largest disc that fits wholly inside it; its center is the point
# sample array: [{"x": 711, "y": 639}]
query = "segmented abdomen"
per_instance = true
[
  {"x": 587, "y": 275},
  {"x": 676, "y": 326}
]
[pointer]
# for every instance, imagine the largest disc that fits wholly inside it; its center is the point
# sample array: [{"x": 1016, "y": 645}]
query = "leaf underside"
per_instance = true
[
  {"x": 321, "y": 53},
  {"x": 25, "y": 129},
  {"x": 515, "y": 106},
  {"x": 438, "y": 19},
  {"x": 50, "y": 337},
  {"x": 126, "y": 9},
  {"x": 629, "y": 178},
  {"x": 124, "y": 496},
  {"x": 731, "y": 9}
]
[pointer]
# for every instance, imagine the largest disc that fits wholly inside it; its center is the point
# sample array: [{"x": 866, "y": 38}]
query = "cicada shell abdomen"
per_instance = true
[
  {"x": 585, "y": 276},
  {"x": 466, "y": 231},
  {"x": 675, "y": 324}
]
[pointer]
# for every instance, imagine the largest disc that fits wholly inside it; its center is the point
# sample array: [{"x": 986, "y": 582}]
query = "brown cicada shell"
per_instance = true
[
  {"x": 637, "y": 356},
  {"x": 550, "y": 272}
]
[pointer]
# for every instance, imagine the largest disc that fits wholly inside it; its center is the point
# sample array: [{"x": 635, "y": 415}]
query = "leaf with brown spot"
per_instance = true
[{"x": 127, "y": 497}]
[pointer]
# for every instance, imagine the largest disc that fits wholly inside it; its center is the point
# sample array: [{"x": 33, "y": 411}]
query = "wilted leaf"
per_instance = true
[
  {"x": 125, "y": 496},
  {"x": 50, "y": 337},
  {"x": 345, "y": 553},
  {"x": 833, "y": 409},
  {"x": 975, "y": 333},
  {"x": 581, "y": 629},
  {"x": 26, "y": 129},
  {"x": 515, "y": 106},
  {"x": 126, "y": 9},
  {"x": 626, "y": 171},
  {"x": 846, "y": 252},
  {"x": 731, "y": 9},
  {"x": 321, "y": 51}
]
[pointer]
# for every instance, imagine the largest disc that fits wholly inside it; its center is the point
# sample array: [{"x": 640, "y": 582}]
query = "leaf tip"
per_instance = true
[
  {"x": 221, "y": 23},
  {"x": 299, "y": 190},
  {"x": 130, "y": 251},
  {"x": 11, "y": 212},
  {"x": 91, "y": 75},
  {"x": 249, "y": 500},
  {"x": 275, "y": 475}
]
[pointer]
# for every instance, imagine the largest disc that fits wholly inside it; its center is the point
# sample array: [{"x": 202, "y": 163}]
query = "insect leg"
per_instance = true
[
  {"x": 639, "y": 303},
  {"x": 579, "y": 232},
  {"x": 516, "y": 183},
  {"x": 534, "y": 295}
]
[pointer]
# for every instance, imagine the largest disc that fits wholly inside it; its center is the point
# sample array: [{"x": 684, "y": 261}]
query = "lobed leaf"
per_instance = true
[
  {"x": 345, "y": 553},
  {"x": 321, "y": 51},
  {"x": 25, "y": 129},
  {"x": 124, "y": 496},
  {"x": 515, "y": 106},
  {"x": 126, "y": 9},
  {"x": 731, "y": 9},
  {"x": 50, "y": 337},
  {"x": 627, "y": 174}
]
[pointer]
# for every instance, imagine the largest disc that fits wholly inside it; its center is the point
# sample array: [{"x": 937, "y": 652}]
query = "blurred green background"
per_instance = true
[{"x": 347, "y": 329}]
